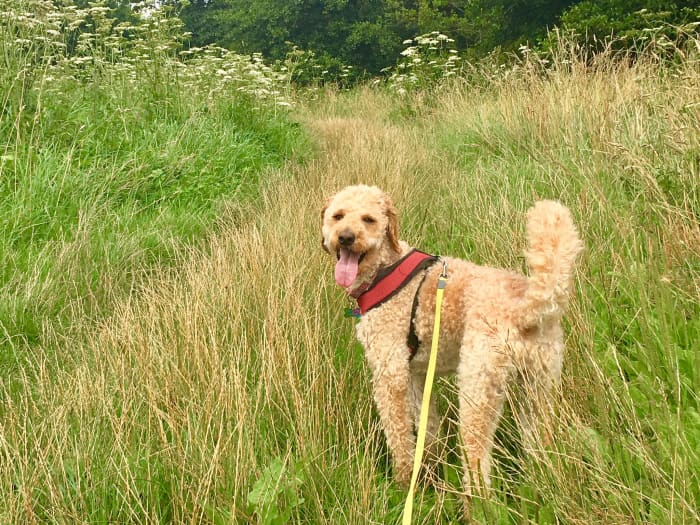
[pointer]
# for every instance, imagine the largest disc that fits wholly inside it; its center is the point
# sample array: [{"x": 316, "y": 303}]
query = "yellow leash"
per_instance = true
[{"x": 425, "y": 406}]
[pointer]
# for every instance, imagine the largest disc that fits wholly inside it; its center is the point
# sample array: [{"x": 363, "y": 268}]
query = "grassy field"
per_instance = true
[
  {"x": 173, "y": 348},
  {"x": 110, "y": 166}
]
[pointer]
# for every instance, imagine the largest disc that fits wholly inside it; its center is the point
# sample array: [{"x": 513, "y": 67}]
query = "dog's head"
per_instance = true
[{"x": 359, "y": 227}]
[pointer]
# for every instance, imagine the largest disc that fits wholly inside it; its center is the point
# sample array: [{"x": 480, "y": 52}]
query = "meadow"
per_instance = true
[{"x": 173, "y": 347}]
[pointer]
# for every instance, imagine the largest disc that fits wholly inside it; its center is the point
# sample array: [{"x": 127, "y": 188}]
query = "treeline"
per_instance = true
[
  {"x": 353, "y": 38},
  {"x": 368, "y": 34}
]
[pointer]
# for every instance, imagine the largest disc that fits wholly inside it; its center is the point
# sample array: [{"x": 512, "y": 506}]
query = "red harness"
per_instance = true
[{"x": 390, "y": 281}]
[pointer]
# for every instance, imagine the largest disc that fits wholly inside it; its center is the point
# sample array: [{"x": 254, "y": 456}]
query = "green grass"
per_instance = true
[
  {"x": 173, "y": 346},
  {"x": 106, "y": 175}
]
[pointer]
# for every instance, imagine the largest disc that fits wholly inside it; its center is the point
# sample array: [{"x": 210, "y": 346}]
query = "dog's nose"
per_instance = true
[{"x": 346, "y": 238}]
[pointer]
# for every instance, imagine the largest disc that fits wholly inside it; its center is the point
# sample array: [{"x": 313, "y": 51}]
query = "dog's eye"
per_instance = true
[
  {"x": 338, "y": 216},
  {"x": 368, "y": 219}
]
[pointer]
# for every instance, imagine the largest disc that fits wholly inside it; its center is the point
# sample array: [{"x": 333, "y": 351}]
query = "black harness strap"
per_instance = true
[{"x": 412, "y": 340}]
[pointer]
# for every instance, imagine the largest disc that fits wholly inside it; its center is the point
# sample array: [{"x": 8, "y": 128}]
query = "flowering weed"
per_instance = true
[{"x": 426, "y": 60}]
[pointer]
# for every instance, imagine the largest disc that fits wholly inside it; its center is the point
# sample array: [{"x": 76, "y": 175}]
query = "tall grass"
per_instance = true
[
  {"x": 619, "y": 143},
  {"x": 228, "y": 388},
  {"x": 115, "y": 153}
]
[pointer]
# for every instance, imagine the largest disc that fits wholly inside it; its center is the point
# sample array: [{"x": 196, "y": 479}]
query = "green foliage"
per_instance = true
[
  {"x": 275, "y": 494},
  {"x": 305, "y": 68},
  {"x": 365, "y": 35},
  {"x": 117, "y": 151},
  {"x": 630, "y": 23},
  {"x": 336, "y": 32}
]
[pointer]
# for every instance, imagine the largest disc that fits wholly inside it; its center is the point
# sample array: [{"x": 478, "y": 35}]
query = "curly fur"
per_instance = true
[{"x": 496, "y": 324}]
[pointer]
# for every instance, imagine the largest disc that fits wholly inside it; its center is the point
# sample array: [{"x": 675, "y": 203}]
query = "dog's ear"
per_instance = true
[
  {"x": 323, "y": 213},
  {"x": 392, "y": 227}
]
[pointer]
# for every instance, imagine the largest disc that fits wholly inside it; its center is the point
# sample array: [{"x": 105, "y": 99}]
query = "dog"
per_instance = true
[{"x": 497, "y": 326}]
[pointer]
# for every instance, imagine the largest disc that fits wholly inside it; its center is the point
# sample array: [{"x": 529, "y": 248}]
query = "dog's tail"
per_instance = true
[{"x": 553, "y": 245}]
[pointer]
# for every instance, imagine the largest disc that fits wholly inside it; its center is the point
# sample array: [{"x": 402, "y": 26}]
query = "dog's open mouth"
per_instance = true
[{"x": 347, "y": 266}]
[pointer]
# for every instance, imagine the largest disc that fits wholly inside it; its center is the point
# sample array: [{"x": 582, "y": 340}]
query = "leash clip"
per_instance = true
[{"x": 444, "y": 268}]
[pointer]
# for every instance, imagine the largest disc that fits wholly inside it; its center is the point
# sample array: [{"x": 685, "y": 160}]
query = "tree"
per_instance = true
[
  {"x": 367, "y": 34},
  {"x": 348, "y": 30}
]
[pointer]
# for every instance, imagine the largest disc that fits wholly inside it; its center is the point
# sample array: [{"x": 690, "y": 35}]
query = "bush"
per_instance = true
[{"x": 631, "y": 24}]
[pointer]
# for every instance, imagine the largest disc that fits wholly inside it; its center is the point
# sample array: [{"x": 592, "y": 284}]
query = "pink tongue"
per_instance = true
[{"x": 346, "y": 268}]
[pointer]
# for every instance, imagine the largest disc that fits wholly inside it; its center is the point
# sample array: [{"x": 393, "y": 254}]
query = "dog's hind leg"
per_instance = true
[
  {"x": 538, "y": 382},
  {"x": 433, "y": 428}
]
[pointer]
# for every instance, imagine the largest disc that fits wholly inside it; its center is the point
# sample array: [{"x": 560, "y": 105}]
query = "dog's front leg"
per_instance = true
[{"x": 390, "y": 380}]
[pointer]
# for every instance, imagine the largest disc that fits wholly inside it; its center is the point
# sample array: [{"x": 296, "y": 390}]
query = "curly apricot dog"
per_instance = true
[{"x": 497, "y": 325}]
